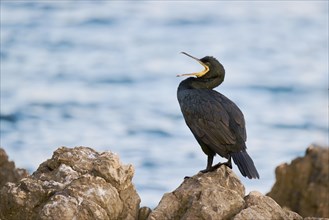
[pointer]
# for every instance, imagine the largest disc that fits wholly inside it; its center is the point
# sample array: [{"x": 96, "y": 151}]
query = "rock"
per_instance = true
[
  {"x": 263, "y": 207},
  {"x": 8, "y": 172},
  {"x": 303, "y": 185},
  {"x": 217, "y": 195},
  {"x": 81, "y": 183},
  {"x": 77, "y": 183},
  {"x": 203, "y": 196}
]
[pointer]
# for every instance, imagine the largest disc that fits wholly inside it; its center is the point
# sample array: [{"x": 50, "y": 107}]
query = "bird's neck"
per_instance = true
[{"x": 200, "y": 83}]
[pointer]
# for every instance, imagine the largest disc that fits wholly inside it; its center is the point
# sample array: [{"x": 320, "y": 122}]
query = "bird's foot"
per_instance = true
[
  {"x": 209, "y": 169},
  {"x": 205, "y": 171},
  {"x": 215, "y": 167}
]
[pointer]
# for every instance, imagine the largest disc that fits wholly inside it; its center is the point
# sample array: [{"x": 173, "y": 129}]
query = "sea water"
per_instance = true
[{"x": 103, "y": 74}]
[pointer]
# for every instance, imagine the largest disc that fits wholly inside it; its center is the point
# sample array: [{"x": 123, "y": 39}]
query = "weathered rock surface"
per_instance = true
[
  {"x": 217, "y": 195},
  {"x": 77, "y": 183},
  {"x": 8, "y": 172},
  {"x": 303, "y": 185},
  {"x": 259, "y": 206},
  {"x": 81, "y": 183}
]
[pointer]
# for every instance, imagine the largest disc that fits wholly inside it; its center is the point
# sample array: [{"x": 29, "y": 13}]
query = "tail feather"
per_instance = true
[{"x": 245, "y": 164}]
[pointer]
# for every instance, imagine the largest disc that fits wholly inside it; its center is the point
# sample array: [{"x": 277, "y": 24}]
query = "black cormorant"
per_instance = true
[{"x": 215, "y": 121}]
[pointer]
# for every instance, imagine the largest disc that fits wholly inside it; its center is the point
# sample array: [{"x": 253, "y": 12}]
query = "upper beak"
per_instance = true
[{"x": 198, "y": 74}]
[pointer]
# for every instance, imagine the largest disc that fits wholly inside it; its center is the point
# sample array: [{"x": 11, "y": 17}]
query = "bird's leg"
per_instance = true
[
  {"x": 209, "y": 167},
  {"x": 209, "y": 164},
  {"x": 228, "y": 163}
]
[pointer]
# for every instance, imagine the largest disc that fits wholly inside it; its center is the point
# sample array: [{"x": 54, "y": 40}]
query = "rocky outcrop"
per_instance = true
[
  {"x": 303, "y": 185},
  {"x": 217, "y": 195},
  {"x": 77, "y": 183},
  {"x": 259, "y": 206},
  {"x": 80, "y": 183},
  {"x": 8, "y": 172}
]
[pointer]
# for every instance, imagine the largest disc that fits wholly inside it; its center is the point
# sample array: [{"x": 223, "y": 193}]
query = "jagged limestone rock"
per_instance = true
[
  {"x": 8, "y": 172},
  {"x": 75, "y": 183},
  {"x": 203, "y": 196},
  {"x": 303, "y": 185},
  {"x": 264, "y": 207},
  {"x": 217, "y": 195}
]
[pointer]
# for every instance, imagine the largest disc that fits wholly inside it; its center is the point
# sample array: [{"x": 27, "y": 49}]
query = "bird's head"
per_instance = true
[{"x": 212, "y": 68}]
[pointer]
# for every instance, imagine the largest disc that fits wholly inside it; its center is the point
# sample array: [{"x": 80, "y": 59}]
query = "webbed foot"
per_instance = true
[{"x": 215, "y": 167}]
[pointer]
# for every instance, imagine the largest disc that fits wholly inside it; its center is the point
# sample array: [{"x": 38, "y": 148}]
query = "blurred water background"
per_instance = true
[{"x": 103, "y": 74}]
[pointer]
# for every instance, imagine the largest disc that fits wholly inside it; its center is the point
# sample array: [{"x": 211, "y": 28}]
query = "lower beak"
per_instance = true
[{"x": 198, "y": 74}]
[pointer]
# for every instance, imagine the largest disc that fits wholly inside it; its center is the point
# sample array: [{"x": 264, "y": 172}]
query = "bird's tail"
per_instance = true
[{"x": 245, "y": 164}]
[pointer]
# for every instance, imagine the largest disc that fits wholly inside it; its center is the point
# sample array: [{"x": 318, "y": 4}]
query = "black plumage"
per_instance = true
[{"x": 215, "y": 121}]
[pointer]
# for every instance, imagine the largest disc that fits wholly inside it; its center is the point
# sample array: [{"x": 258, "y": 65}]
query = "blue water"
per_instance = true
[{"x": 103, "y": 74}]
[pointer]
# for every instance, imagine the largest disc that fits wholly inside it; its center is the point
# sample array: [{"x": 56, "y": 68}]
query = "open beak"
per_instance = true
[{"x": 198, "y": 74}]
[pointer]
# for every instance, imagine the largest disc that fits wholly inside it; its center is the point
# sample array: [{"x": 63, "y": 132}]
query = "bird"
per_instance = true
[{"x": 216, "y": 122}]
